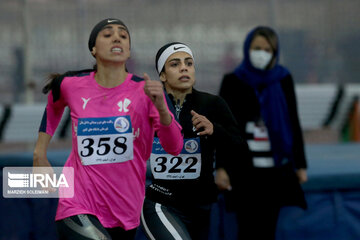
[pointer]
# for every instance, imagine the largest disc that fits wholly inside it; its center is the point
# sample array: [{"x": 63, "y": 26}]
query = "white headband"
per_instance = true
[{"x": 170, "y": 50}]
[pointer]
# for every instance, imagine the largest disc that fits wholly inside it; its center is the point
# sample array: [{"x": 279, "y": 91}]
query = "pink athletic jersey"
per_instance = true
[{"x": 112, "y": 136}]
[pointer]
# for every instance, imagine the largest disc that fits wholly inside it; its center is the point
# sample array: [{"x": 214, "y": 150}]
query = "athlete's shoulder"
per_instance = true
[
  {"x": 206, "y": 96},
  {"x": 66, "y": 80},
  {"x": 76, "y": 78},
  {"x": 69, "y": 76},
  {"x": 136, "y": 78},
  {"x": 209, "y": 100}
]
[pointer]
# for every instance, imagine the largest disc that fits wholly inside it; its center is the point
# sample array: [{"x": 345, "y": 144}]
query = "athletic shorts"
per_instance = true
[{"x": 86, "y": 227}]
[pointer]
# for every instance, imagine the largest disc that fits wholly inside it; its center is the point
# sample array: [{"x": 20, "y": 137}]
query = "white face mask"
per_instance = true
[{"x": 260, "y": 58}]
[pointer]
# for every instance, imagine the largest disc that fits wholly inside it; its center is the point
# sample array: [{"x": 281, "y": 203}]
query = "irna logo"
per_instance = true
[
  {"x": 38, "y": 182},
  {"x": 18, "y": 180}
]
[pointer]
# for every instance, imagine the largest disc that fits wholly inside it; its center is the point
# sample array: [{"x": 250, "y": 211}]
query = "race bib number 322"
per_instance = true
[
  {"x": 105, "y": 140},
  {"x": 187, "y": 165}
]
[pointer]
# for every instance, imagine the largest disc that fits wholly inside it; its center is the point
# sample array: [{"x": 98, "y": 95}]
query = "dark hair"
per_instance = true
[
  {"x": 55, "y": 79},
  {"x": 272, "y": 38}
]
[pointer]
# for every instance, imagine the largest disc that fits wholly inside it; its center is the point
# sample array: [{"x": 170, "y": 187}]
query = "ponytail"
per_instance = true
[{"x": 55, "y": 79}]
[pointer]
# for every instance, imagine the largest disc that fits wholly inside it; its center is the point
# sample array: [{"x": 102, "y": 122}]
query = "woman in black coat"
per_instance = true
[{"x": 260, "y": 94}]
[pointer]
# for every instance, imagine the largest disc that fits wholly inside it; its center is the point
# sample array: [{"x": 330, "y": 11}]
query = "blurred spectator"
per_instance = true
[{"x": 261, "y": 95}]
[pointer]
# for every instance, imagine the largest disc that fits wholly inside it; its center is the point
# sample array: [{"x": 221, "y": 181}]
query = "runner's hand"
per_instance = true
[
  {"x": 154, "y": 90},
  {"x": 201, "y": 122}
]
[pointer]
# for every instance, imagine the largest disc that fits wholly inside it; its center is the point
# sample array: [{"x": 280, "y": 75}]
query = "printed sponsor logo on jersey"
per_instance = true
[
  {"x": 121, "y": 124},
  {"x": 85, "y": 102},
  {"x": 191, "y": 146},
  {"x": 136, "y": 133},
  {"x": 123, "y": 105}
]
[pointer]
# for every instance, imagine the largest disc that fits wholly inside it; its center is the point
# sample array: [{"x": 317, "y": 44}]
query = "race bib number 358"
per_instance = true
[
  {"x": 187, "y": 165},
  {"x": 105, "y": 140}
]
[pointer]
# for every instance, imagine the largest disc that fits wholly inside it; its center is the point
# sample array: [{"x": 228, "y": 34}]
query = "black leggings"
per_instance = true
[
  {"x": 161, "y": 222},
  {"x": 86, "y": 227}
]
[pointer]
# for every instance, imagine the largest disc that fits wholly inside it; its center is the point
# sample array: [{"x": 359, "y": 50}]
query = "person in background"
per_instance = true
[
  {"x": 260, "y": 93},
  {"x": 179, "y": 199},
  {"x": 109, "y": 161}
]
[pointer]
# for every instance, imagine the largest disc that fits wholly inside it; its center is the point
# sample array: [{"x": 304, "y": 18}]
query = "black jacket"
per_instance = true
[
  {"x": 215, "y": 150},
  {"x": 282, "y": 182}
]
